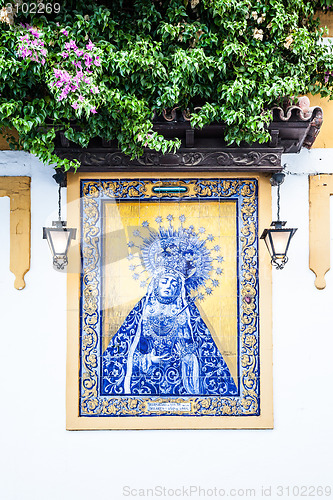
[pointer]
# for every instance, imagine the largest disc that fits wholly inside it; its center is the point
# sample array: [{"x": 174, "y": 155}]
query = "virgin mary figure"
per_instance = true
[{"x": 164, "y": 347}]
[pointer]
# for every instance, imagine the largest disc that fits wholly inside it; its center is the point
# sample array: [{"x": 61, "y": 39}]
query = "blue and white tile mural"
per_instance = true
[
  {"x": 169, "y": 308},
  {"x": 169, "y": 349}
]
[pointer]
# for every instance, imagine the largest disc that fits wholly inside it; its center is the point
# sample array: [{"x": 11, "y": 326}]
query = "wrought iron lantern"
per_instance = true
[
  {"x": 59, "y": 236},
  {"x": 278, "y": 238}
]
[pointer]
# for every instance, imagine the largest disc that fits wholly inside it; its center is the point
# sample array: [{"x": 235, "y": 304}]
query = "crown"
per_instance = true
[{"x": 181, "y": 250}]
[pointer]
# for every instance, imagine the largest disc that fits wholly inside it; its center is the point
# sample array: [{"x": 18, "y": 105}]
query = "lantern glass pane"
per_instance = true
[
  {"x": 268, "y": 242},
  {"x": 280, "y": 242},
  {"x": 60, "y": 239}
]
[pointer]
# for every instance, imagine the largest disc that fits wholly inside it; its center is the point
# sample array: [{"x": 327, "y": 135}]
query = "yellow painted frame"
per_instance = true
[
  {"x": 320, "y": 190},
  {"x": 264, "y": 420},
  {"x": 18, "y": 190}
]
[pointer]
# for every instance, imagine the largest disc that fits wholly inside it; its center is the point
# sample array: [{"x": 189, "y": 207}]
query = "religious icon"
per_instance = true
[
  {"x": 168, "y": 315},
  {"x": 164, "y": 346}
]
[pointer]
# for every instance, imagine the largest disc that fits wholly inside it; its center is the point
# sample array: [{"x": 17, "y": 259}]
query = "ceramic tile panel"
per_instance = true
[
  {"x": 169, "y": 313},
  {"x": 164, "y": 328}
]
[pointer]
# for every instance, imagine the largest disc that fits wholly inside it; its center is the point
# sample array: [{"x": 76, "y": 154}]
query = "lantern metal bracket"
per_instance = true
[
  {"x": 277, "y": 179},
  {"x": 60, "y": 177}
]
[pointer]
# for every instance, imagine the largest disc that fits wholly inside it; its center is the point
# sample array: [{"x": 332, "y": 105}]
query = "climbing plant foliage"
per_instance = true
[{"x": 103, "y": 70}]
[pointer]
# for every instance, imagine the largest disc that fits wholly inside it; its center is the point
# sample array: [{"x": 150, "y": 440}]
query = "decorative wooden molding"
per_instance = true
[
  {"x": 320, "y": 190},
  {"x": 18, "y": 190},
  {"x": 184, "y": 160}
]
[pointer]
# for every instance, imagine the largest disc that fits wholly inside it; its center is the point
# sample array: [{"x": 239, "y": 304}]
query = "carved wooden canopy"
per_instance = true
[{"x": 205, "y": 149}]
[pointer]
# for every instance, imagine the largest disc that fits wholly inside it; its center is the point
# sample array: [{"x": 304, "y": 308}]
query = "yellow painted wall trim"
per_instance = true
[
  {"x": 325, "y": 137},
  {"x": 18, "y": 190},
  {"x": 7, "y": 133},
  {"x": 326, "y": 20},
  {"x": 320, "y": 190}
]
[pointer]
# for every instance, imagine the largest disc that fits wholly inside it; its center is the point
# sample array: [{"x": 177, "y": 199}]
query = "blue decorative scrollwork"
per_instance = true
[{"x": 189, "y": 367}]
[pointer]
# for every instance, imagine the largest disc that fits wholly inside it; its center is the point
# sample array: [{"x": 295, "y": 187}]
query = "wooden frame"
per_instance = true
[{"x": 262, "y": 417}]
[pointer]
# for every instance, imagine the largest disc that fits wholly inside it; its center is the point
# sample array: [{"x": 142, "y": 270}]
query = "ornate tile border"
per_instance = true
[{"x": 91, "y": 403}]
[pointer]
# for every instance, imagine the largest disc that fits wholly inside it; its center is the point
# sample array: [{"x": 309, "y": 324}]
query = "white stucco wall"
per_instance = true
[{"x": 40, "y": 460}]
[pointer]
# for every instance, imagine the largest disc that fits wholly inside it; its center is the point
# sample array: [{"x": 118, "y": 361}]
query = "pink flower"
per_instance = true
[
  {"x": 63, "y": 31},
  {"x": 34, "y": 32},
  {"x": 75, "y": 105},
  {"x": 77, "y": 64},
  {"x": 87, "y": 60},
  {"x": 327, "y": 75},
  {"x": 81, "y": 98},
  {"x": 64, "y": 55},
  {"x": 93, "y": 111},
  {"x": 90, "y": 45},
  {"x": 32, "y": 48}
]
